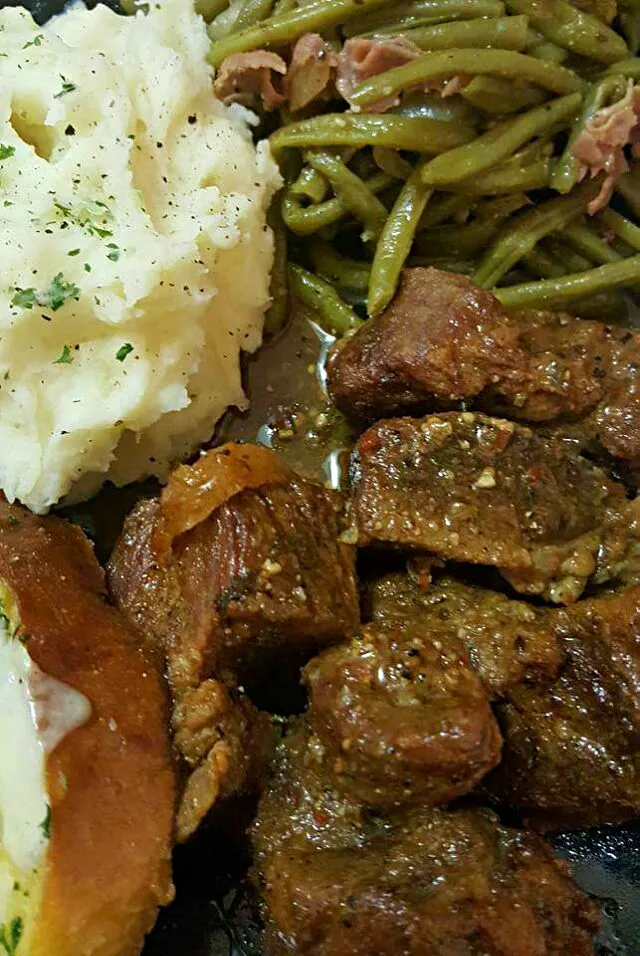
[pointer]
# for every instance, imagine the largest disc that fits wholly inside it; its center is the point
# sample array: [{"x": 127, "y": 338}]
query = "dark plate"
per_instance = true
[{"x": 214, "y": 912}]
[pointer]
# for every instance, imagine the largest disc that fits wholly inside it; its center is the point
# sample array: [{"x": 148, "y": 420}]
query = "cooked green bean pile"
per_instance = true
[{"x": 461, "y": 157}]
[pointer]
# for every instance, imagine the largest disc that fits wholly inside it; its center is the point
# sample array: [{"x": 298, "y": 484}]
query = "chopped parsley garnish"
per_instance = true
[
  {"x": 73, "y": 252},
  {"x": 65, "y": 357},
  {"x": 45, "y": 826},
  {"x": 24, "y": 298},
  {"x": 67, "y": 87},
  {"x": 58, "y": 293},
  {"x": 10, "y": 939},
  {"x": 123, "y": 351},
  {"x": 65, "y": 210},
  {"x": 87, "y": 267},
  {"x": 14, "y": 521},
  {"x": 37, "y": 41},
  {"x": 54, "y": 297},
  {"x": 114, "y": 251},
  {"x": 6, "y": 151}
]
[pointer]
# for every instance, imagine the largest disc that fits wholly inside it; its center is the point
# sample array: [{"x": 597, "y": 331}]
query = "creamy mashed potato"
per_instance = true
[{"x": 135, "y": 255}]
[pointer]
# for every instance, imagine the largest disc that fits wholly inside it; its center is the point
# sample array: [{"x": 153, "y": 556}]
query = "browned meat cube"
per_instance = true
[
  {"x": 402, "y": 717},
  {"x": 507, "y": 642},
  {"x": 483, "y": 490},
  {"x": 443, "y": 342},
  {"x": 565, "y": 685},
  {"x": 220, "y": 585},
  {"x": 423, "y": 882},
  {"x": 571, "y": 750}
]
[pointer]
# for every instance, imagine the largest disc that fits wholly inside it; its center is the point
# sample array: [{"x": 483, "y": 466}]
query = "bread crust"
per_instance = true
[{"x": 111, "y": 782}]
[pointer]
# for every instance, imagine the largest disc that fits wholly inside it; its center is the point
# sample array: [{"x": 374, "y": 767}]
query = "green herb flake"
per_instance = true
[
  {"x": 6, "y": 152},
  {"x": 114, "y": 253},
  {"x": 123, "y": 351},
  {"x": 59, "y": 292},
  {"x": 37, "y": 41},
  {"x": 65, "y": 210},
  {"x": 10, "y": 939},
  {"x": 67, "y": 87},
  {"x": 24, "y": 298},
  {"x": 65, "y": 357},
  {"x": 14, "y": 521},
  {"x": 73, "y": 252},
  {"x": 45, "y": 826}
]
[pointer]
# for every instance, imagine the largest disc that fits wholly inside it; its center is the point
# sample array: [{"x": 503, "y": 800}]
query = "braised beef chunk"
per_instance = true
[
  {"x": 443, "y": 341},
  {"x": 422, "y": 882},
  {"x": 507, "y": 642},
  {"x": 267, "y": 572},
  {"x": 564, "y": 682},
  {"x": 402, "y": 717},
  {"x": 571, "y": 750},
  {"x": 246, "y": 579},
  {"x": 483, "y": 490}
]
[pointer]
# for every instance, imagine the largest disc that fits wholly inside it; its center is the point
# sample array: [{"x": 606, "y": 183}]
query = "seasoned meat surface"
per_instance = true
[
  {"x": 485, "y": 491},
  {"x": 402, "y": 717},
  {"x": 507, "y": 642},
  {"x": 443, "y": 342},
  {"x": 565, "y": 684},
  {"x": 423, "y": 882},
  {"x": 261, "y": 574},
  {"x": 571, "y": 750}
]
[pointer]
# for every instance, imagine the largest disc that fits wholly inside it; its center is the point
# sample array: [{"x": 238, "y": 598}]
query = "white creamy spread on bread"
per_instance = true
[{"x": 36, "y": 712}]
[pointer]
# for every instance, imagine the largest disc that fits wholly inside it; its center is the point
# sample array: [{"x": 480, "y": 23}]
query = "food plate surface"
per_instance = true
[{"x": 214, "y": 913}]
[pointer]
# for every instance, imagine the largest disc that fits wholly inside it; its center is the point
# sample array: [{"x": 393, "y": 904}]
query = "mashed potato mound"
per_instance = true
[{"x": 135, "y": 255}]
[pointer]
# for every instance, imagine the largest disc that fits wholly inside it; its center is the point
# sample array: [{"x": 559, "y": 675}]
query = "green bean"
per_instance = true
[
  {"x": 305, "y": 221},
  {"x": 569, "y": 27},
  {"x": 566, "y": 172},
  {"x": 556, "y": 293},
  {"x": 610, "y": 304},
  {"x": 522, "y": 233},
  {"x": 390, "y": 161},
  {"x": 252, "y": 12},
  {"x": 540, "y": 263},
  {"x": 630, "y": 23},
  {"x": 628, "y": 186},
  {"x": 572, "y": 260},
  {"x": 398, "y": 17},
  {"x": 351, "y": 129},
  {"x": 442, "y": 208},
  {"x": 460, "y": 266},
  {"x": 433, "y": 106},
  {"x": 350, "y": 274},
  {"x": 501, "y": 207},
  {"x": 545, "y": 50},
  {"x": 282, "y": 29},
  {"x": 507, "y": 33},
  {"x": 209, "y": 9},
  {"x": 311, "y": 185},
  {"x": 589, "y": 244},
  {"x": 457, "y": 242},
  {"x": 352, "y": 192},
  {"x": 508, "y": 178},
  {"x": 621, "y": 227},
  {"x": 278, "y": 312},
  {"x": 336, "y": 316},
  {"x": 447, "y": 63},
  {"x": 284, "y": 6},
  {"x": 499, "y": 143},
  {"x": 395, "y": 242},
  {"x": 629, "y": 68},
  {"x": 492, "y": 94}
]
